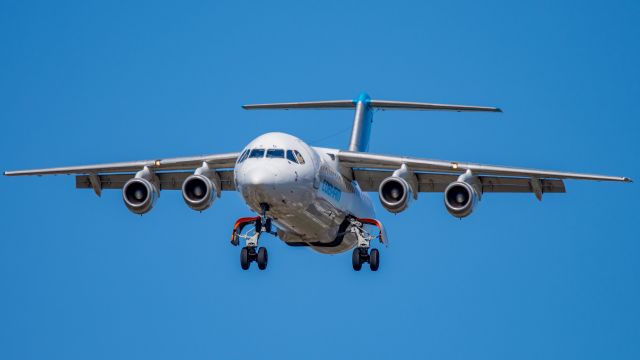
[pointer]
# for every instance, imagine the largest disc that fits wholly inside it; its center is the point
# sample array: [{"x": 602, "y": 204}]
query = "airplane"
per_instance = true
[{"x": 313, "y": 196}]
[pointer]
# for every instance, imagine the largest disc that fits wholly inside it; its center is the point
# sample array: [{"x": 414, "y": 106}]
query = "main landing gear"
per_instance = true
[
  {"x": 251, "y": 252},
  {"x": 360, "y": 256},
  {"x": 362, "y": 253}
]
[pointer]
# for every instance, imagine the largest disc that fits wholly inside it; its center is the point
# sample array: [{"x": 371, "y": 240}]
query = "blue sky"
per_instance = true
[{"x": 87, "y": 81}]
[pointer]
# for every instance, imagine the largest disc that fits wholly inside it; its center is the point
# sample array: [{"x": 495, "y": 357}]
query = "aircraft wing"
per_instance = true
[
  {"x": 369, "y": 180},
  {"x": 218, "y": 161},
  {"x": 114, "y": 175},
  {"x": 434, "y": 175}
]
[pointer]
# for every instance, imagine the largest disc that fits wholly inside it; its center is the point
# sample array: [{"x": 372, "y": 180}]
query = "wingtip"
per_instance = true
[
  {"x": 629, "y": 180},
  {"x": 499, "y": 110}
]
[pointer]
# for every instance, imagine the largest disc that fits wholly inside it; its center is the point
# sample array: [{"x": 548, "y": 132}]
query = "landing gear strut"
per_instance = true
[
  {"x": 251, "y": 252},
  {"x": 362, "y": 253}
]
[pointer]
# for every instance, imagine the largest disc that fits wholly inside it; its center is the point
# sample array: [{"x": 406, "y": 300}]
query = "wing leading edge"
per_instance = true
[{"x": 217, "y": 161}]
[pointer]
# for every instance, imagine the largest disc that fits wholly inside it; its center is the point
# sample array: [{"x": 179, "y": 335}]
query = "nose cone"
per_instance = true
[
  {"x": 262, "y": 182},
  {"x": 258, "y": 176}
]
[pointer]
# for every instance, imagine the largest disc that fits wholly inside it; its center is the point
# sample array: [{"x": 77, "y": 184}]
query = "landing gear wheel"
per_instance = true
[
  {"x": 267, "y": 226},
  {"x": 263, "y": 258},
  {"x": 374, "y": 260},
  {"x": 356, "y": 259},
  {"x": 258, "y": 225},
  {"x": 244, "y": 258}
]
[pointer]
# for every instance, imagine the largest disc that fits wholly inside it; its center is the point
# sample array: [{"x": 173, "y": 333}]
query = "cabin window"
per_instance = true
[
  {"x": 256, "y": 153},
  {"x": 275, "y": 153},
  {"x": 291, "y": 157}
]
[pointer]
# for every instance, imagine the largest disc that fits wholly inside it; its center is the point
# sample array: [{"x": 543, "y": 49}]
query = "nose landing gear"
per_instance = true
[
  {"x": 251, "y": 252},
  {"x": 248, "y": 254}
]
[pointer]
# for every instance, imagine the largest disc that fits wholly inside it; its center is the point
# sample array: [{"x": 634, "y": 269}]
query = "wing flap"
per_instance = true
[
  {"x": 168, "y": 181},
  {"x": 521, "y": 185}
]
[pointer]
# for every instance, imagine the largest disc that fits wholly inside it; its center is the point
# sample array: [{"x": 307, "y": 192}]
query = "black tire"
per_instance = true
[
  {"x": 267, "y": 226},
  {"x": 263, "y": 258},
  {"x": 259, "y": 225},
  {"x": 356, "y": 259},
  {"x": 374, "y": 260},
  {"x": 244, "y": 258}
]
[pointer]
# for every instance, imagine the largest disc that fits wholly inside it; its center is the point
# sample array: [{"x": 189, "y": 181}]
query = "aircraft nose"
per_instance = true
[
  {"x": 259, "y": 183},
  {"x": 259, "y": 176}
]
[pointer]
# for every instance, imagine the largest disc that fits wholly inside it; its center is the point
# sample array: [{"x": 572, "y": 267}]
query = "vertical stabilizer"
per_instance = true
[{"x": 361, "y": 130}]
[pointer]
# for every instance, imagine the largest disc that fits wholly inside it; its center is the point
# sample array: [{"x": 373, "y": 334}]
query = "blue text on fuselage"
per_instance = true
[{"x": 331, "y": 190}]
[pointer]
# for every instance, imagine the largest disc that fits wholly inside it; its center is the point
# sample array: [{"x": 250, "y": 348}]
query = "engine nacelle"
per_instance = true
[
  {"x": 395, "y": 194},
  {"x": 141, "y": 192},
  {"x": 200, "y": 189},
  {"x": 198, "y": 192},
  {"x": 460, "y": 198}
]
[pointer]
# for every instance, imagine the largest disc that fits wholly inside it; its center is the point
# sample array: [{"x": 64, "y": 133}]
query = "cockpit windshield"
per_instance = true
[
  {"x": 293, "y": 156},
  {"x": 275, "y": 153},
  {"x": 244, "y": 155},
  {"x": 256, "y": 153},
  {"x": 298, "y": 156}
]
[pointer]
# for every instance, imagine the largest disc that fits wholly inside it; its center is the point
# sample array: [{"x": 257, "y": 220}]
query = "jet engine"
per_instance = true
[
  {"x": 395, "y": 194},
  {"x": 141, "y": 192},
  {"x": 460, "y": 198},
  {"x": 200, "y": 189}
]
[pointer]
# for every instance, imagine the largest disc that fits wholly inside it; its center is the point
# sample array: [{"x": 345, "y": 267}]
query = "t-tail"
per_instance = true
[{"x": 364, "y": 107}]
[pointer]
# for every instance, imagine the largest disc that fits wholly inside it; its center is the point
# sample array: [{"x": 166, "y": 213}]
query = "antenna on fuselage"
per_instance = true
[{"x": 363, "y": 117}]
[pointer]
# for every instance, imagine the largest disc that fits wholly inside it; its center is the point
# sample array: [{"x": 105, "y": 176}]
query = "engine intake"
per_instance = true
[
  {"x": 139, "y": 195},
  {"x": 395, "y": 194},
  {"x": 198, "y": 192},
  {"x": 460, "y": 198},
  {"x": 200, "y": 189}
]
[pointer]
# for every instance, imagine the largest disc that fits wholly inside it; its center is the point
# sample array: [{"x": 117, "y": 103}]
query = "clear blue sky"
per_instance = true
[{"x": 87, "y": 81}]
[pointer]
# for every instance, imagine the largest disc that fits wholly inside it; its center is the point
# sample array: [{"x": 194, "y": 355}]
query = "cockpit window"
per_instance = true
[
  {"x": 291, "y": 157},
  {"x": 256, "y": 153},
  {"x": 298, "y": 156},
  {"x": 242, "y": 157},
  {"x": 275, "y": 153}
]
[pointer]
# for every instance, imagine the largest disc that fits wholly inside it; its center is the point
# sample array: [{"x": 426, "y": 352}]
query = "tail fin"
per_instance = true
[{"x": 364, "y": 114}]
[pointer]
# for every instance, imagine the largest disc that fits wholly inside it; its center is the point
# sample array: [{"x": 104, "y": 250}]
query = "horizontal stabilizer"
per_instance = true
[
  {"x": 309, "y": 105},
  {"x": 405, "y": 105},
  {"x": 373, "y": 104}
]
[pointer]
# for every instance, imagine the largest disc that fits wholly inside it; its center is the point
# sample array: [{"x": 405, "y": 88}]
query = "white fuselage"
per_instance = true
[{"x": 308, "y": 197}]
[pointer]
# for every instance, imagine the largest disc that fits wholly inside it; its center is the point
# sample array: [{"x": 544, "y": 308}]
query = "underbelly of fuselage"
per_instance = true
[
  {"x": 305, "y": 217},
  {"x": 320, "y": 226}
]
